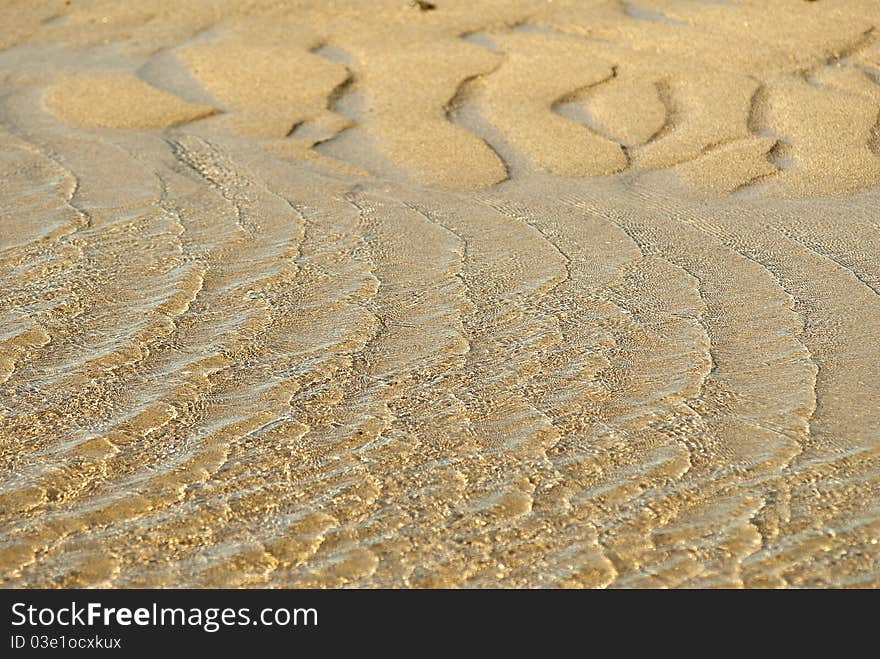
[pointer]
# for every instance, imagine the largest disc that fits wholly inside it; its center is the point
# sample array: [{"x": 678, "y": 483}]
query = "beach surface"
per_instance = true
[{"x": 452, "y": 294}]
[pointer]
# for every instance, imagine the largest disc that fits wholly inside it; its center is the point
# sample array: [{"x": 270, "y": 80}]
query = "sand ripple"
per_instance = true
[{"x": 500, "y": 294}]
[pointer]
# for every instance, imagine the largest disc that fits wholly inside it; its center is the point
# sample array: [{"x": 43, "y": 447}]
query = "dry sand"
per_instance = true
[{"x": 511, "y": 293}]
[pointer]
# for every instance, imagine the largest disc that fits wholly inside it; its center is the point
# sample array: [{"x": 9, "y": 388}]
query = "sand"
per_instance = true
[{"x": 497, "y": 294}]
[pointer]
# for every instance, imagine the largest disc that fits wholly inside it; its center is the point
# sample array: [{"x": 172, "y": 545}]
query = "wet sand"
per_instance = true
[{"x": 517, "y": 294}]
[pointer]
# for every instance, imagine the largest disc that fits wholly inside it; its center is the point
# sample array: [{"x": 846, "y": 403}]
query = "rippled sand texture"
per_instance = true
[{"x": 494, "y": 294}]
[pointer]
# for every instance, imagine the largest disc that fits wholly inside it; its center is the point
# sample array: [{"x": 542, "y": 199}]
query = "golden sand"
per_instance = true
[
  {"x": 509, "y": 293},
  {"x": 83, "y": 100}
]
